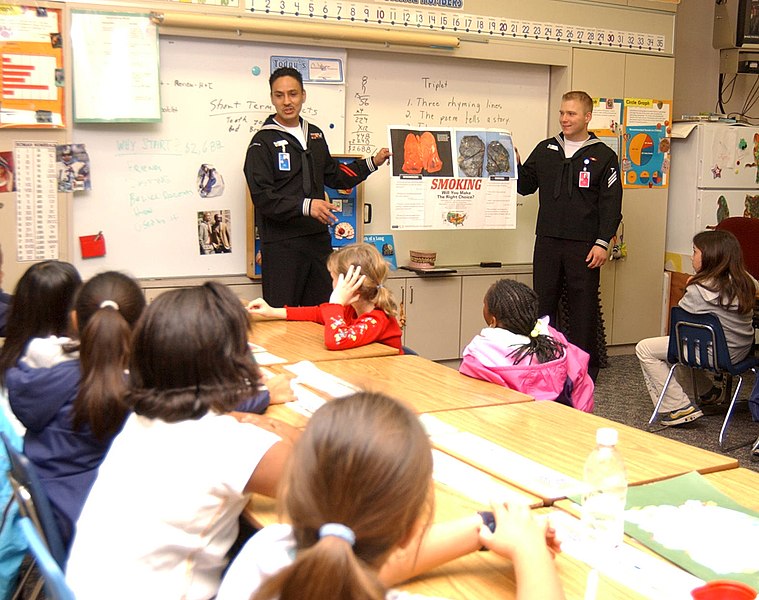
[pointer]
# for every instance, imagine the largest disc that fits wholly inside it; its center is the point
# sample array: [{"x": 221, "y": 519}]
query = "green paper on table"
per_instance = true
[{"x": 689, "y": 522}]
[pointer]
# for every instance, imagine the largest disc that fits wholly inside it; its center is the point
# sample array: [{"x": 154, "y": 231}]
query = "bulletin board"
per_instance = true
[
  {"x": 150, "y": 189},
  {"x": 432, "y": 92}
]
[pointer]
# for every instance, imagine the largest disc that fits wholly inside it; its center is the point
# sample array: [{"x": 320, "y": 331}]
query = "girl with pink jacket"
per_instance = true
[{"x": 523, "y": 352}]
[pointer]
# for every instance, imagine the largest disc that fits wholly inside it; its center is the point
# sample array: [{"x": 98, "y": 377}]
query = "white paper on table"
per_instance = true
[
  {"x": 511, "y": 466},
  {"x": 648, "y": 575},
  {"x": 312, "y": 376},
  {"x": 470, "y": 481},
  {"x": 307, "y": 402},
  {"x": 267, "y": 358}
]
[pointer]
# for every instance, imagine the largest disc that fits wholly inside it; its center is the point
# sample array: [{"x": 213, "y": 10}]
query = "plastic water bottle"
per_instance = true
[{"x": 605, "y": 495}]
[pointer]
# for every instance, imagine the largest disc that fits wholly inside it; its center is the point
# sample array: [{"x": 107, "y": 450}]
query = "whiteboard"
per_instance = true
[
  {"x": 145, "y": 196},
  {"x": 421, "y": 92}
]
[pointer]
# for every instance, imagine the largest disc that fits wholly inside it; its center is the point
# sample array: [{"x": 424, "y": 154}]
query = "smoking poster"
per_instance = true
[
  {"x": 646, "y": 143},
  {"x": 452, "y": 178}
]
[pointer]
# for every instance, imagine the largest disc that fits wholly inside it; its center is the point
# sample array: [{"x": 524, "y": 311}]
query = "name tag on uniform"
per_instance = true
[
  {"x": 584, "y": 179},
  {"x": 284, "y": 161}
]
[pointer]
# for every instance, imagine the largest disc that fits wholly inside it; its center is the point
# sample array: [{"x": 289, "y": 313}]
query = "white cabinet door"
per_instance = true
[
  {"x": 398, "y": 288},
  {"x": 433, "y": 307},
  {"x": 472, "y": 296}
]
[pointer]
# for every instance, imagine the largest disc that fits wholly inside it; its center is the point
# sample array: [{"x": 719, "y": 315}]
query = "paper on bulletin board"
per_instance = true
[
  {"x": 32, "y": 54},
  {"x": 607, "y": 117},
  {"x": 385, "y": 246},
  {"x": 646, "y": 143},
  {"x": 36, "y": 201},
  {"x": 115, "y": 67},
  {"x": 347, "y": 229},
  {"x": 606, "y": 122},
  {"x": 452, "y": 178}
]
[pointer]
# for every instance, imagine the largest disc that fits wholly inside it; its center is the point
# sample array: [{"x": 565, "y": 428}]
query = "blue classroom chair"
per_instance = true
[
  {"x": 698, "y": 341},
  {"x": 55, "y": 583}
]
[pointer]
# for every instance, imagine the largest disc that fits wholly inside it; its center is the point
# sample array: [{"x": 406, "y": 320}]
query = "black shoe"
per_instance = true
[
  {"x": 755, "y": 450},
  {"x": 713, "y": 397}
]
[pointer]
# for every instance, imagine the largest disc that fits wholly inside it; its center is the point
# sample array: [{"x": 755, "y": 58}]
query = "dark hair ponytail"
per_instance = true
[
  {"x": 107, "y": 308},
  {"x": 515, "y": 308}
]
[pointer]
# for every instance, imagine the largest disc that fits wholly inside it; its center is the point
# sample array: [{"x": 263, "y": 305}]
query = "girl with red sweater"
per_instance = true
[{"x": 360, "y": 311}]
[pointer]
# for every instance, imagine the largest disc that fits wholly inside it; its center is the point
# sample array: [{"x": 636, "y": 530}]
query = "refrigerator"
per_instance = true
[{"x": 714, "y": 175}]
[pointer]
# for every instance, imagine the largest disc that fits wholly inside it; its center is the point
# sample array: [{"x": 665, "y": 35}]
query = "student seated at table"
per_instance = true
[
  {"x": 40, "y": 368},
  {"x": 721, "y": 286},
  {"x": 164, "y": 509},
  {"x": 358, "y": 496},
  {"x": 360, "y": 311},
  {"x": 68, "y": 393},
  {"x": 521, "y": 351}
]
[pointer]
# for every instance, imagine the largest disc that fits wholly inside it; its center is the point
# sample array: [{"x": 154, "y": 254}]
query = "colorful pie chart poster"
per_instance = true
[
  {"x": 645, "y": 162},
  {"x": 646, "y": 143}
]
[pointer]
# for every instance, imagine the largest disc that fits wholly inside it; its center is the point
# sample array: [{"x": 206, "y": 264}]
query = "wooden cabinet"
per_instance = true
[{"x": 432, "y": 307}]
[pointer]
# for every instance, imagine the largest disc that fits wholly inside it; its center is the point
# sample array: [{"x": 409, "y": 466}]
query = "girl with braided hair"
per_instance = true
[
  {"x": 520, "y": 350},
  {"x": 360, "y": 311}
]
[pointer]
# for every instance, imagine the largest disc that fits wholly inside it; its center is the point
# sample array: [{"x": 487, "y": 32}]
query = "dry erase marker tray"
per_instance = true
[{"x": 430, "y": 271}]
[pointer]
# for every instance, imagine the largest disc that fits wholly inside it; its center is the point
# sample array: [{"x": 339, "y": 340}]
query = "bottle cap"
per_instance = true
[{"x": 606, "y": 436}]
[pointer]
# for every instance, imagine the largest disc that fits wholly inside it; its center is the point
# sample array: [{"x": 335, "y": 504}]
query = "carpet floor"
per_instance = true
[{"x": 621, "y": 396}]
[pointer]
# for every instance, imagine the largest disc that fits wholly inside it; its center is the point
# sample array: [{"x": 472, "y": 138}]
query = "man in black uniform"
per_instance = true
[
  {"x": 580, "y": 196},
  {"x": 286, "y": 167}
]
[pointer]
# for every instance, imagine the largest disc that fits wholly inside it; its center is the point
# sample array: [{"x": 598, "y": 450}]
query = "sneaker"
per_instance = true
[
  {"x": 686, "y": 414},
  {"x": 712, "y": 398},
  {"x": 755, "y": 450}
]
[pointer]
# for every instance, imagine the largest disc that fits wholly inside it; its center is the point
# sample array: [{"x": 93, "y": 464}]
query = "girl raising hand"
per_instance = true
[{"x": 360, "y": 311}]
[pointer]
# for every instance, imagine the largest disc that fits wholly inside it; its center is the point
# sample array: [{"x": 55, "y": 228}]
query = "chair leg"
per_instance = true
[
  {"x": 22, "y": 580},
  {"x": 38, "y": 587},
  {"x": 728, "y": 386},
  {"x": 729, "y": 415},
  {"x": 653, "y": 418}
]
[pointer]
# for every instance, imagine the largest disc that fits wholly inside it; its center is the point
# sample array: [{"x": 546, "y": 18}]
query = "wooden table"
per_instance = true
[
  {"x": 560, "y": 437},
  {"x": 422, "y": 384},
  {"x": 483, "y": 575},
  {"x": 303, "y": 340},
  {"x": 740, "y": 484},
  {"x": 450, "y": 504},
  {"x": 479, "y": 575}
]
